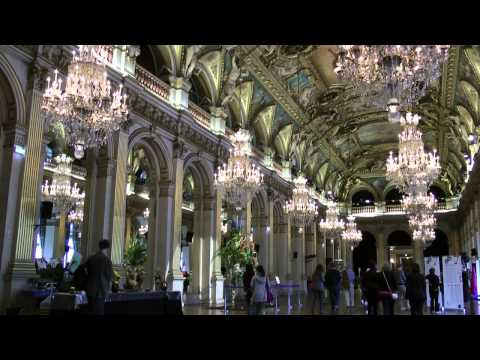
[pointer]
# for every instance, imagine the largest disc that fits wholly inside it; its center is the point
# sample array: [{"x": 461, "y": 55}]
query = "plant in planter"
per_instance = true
[
  {"x": 115, "y": 281},
  {"x": 134, "y": 259}
]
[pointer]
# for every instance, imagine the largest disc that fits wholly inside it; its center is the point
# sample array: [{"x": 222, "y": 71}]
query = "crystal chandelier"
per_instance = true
[
  {"x": 86, "y": 106},
  {"x": 422, "y": 226},
  {"x": 143, "y": 229},
  {"x": 351, "y": 234},
  {"x": 240, "y": 178},
  {"x": 76, "y": 216},
  {"x": 146, "y": 213},
  {"x": 391, "y": 71},
  {"x": 61, "y": 192},
  {"x": 301, "y": 209},
  {"x": 420, "y": 203},
  {"x": 332, "y": 224},
  {"x": 414, "y": 169}
]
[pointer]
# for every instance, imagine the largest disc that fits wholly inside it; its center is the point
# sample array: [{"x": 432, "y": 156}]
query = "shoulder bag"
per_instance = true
[{"x": 393, "y": 295}]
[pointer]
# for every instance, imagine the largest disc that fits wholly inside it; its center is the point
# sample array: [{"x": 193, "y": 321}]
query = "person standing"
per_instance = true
[
  {"x": 99, "y": 278},
  {"x": 247, "y": 279},
  {"x": 259, "y": 286},
  {"x": 318, "y": 288},
  {"x": 387, "y": 286},
  {"x": 370, "y": 288},
  {"x": 416, "y": 290},
  {"x": 348, "y": 285},
  {"x": 333, "y": 280},
  {"x": 401, "y": 280},
  {"x": 434, "y": 290}
]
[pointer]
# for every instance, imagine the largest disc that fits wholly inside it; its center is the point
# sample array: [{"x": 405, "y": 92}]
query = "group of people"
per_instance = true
[
  {"x": 334, "y": 282},
  {"x": 384, "y": 287}
]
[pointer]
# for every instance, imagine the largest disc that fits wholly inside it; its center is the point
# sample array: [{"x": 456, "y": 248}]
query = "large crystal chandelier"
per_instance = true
[
  {"x": 332, "y": 225},
  {"x": 422, "y": 226},
  {"x": 75, "y": 216},
  {"x": 239, "y": 179},
  {"x": 301, "y": 209},
  {"x": 86, "y": 106},
  {"x": 61, "y": 192},
  {"x": 351, "y": 234},
  {"x": 391, "y": 71},
  {"x": 414, "y": 169}
]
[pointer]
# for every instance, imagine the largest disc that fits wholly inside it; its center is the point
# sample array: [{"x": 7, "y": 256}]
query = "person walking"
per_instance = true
[
  {"x": 318, "y": 288},
  {"x": 401, "y": 280},
  {"x": 387, "y": 289},
  {"x": 259, "y": 285},
  {"x": 333, "y": 280},
  {"x": 99, "y": 278},
  {"x": 348, "y": 285},
  {"x": 247, "y": 279},
  {"x": 434, "y": 290},
  {"x": 416, "y": 290},
  {"x": 370, "y": 288}
]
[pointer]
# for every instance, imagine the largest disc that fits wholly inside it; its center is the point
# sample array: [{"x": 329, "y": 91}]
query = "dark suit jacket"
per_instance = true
[{"x": 100, "y": 272}]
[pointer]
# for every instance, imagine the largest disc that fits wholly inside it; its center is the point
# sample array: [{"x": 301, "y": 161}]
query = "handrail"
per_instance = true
[
  {"x": 199, "y": 115},
  {"x": 151, "y": 82}
]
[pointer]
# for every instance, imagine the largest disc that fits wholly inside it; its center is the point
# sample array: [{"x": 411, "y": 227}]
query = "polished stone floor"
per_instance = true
[{"x": 305, "y": 308}]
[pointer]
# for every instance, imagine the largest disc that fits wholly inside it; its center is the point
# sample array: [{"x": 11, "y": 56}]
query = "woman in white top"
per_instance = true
[{"x": 259, "y": 285}]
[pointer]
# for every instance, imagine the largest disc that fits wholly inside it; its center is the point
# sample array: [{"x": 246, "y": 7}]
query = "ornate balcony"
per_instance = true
[{"x": 151, "y": 82}]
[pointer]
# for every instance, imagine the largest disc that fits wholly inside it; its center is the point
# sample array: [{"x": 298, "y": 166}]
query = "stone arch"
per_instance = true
[
  {"x": 202, "y": 171},
  {"x": 12, "y": 99},
  {"x": 278, "y": 213},
  {"x": 399, "y": 237},
  {"x": 204, "y": 81},
  {"x": 362, "y": 186},
  {"x": 160, "y": 155}
]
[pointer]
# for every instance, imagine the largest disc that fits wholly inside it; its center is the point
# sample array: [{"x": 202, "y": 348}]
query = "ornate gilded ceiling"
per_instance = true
[{"x": 292, "y": 102}]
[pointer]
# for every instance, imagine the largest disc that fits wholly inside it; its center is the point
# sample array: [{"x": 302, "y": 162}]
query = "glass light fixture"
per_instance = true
[
  {"x": 239, "y": 179},
  {"x": 380, "y": 72},
  {"x": 414, "y": 169},
  {"x": 351, "y": 234},
  {"x": 332, "y": 225},
  {"x": 146, "y": 213},
  {"x": 61, "y": 192},
  {"x": 86, "y": 106},
  {"x": 301, "y": 209}
]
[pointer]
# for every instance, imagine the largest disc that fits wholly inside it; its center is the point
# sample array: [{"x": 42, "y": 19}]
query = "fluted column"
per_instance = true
[
  {"x": 151, "y": 238},
  {"x": 269, "y": 235},
  {"x": 477, "y": 220},
  {"x": 175, "y": 276},
  {"x": 10, "y": 178},
  {"x": 283, "y": 255},
  {"x": 164, "y": 234},
  {"x": 196, "y": 259},
  {"x": 89, "y": 243},
  {"x": 380, "y": 247},
  {"x": 213, "y": 226},
  {"x": 247, "y": 218}
]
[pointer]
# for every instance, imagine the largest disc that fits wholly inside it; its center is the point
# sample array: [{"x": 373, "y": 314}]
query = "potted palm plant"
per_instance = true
[{"x": 134, "y": 260}]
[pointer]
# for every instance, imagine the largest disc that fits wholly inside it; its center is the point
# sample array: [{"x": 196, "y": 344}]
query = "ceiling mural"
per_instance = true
[{"x": 290, "y": 99}]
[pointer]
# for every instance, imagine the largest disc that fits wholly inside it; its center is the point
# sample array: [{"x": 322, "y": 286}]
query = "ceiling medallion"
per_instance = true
[
  {"x": 239, "y": 179},
  {"x": 380, "y": 72},
  {"x": 86, "y": 106},
  {"x": 301, "y": 209}
]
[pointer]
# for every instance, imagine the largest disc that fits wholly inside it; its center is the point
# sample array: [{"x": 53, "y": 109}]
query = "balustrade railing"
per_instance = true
[
  {"x": 394, "y": 208},
  {"x": 363, "y": 210},
  {"x": 151, "y": 82},
  {"x": 199, "y": 115}
]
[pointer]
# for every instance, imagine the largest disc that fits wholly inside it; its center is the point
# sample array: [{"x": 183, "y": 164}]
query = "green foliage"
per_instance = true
[
  {"x": 235, "y": 251},
  {"x": 136, "y": 253}
]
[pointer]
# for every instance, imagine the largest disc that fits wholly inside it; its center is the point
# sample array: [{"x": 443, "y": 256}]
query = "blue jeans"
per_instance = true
[{"x": 334, "y": 294}]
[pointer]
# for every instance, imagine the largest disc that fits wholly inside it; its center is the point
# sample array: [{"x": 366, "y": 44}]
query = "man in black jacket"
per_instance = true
[
  {"x": 332, "y": 283},
  {"x": 99, "y": 272},
  {"x": 434, "y": 290},
  {"x": 370, "y": 286}
]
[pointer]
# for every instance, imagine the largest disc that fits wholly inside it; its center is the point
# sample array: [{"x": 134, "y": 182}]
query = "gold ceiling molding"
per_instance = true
[
  {"x": 473, "y": 59},
  {"x": 449, "y": 77},
  {"x": 277, "y": 90}
]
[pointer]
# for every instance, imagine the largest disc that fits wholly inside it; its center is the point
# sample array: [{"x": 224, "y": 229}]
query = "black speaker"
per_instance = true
[
  {"x": 189, "y": 237},
  {"x": 295, "y": 254},
  {"x": 257, "y": 248},
  {"x": 46, "y": 209}
]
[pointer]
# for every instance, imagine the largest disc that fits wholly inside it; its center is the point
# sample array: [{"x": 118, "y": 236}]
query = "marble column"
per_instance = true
[
  {"x": 322, "y": 247},
  {"x": 477, "y": 220},
  {"x": 269, "y": 245},
  {"x": 60, "y": 237},
  {"x": 151, "y": 237},
  {"x": 380, "y": 248},
  {"x": 260, "y": 237},
  {"x": 26, "y": 214},
  {"x": 179, "y": 89},
  {"x": 89, "y": 244},
  {"x": 247, "y": 218},
  {"x": 283, "y": 255},
  {"x": 418, "y": 255},
  {"x": 164, "y": 219},
  {"x": 175, "y": 276},
  {"x": 196, "y": 259},
  {"x": 217, "y": 120},
  {"x": 213, "y": 224},
  {"x": 10, "y": 178}
]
